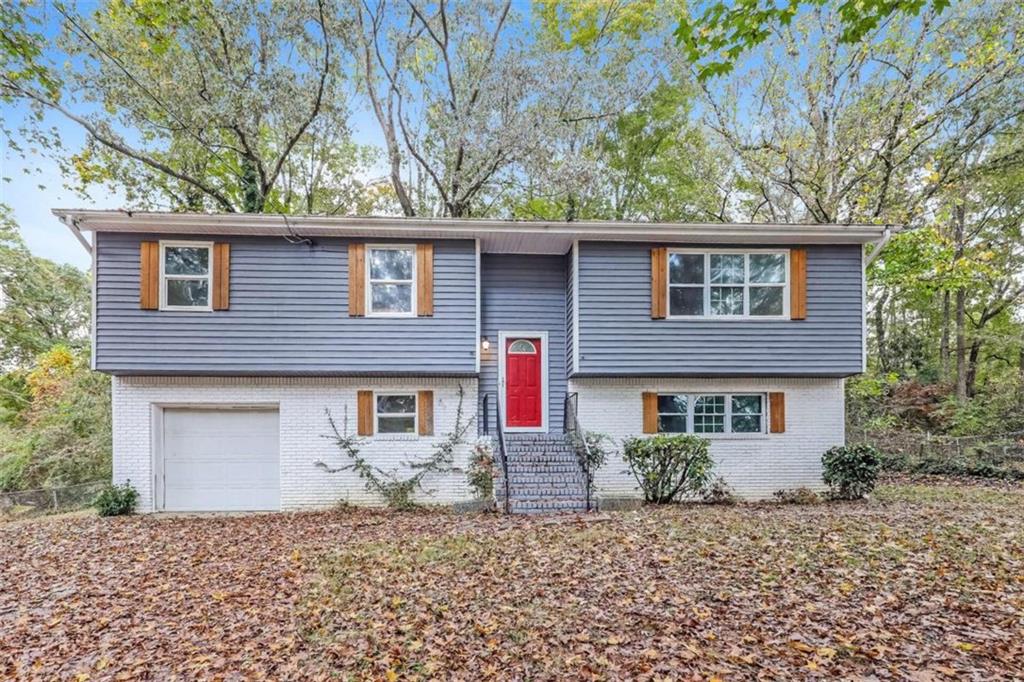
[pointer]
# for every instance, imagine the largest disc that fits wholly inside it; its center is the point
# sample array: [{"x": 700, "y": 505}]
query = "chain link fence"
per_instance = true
[
  {"x": 48, "y": 500},
  {"x": 998, "y": 455}
]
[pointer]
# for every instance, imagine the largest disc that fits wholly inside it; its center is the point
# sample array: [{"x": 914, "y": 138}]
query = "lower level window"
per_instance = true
[
  {"x": 396, "y": 413},
  {"x": 716, "y": 413}
]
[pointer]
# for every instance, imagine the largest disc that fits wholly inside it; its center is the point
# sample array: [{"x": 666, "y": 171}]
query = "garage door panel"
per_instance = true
[{"x": 221, "y": 460}]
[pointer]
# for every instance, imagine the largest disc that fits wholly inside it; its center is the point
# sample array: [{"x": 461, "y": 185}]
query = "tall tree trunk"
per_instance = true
[
  {"x": 252, "y": 196},
  {"x": 883, "y": 356},
  {"x": 1020, "y": 378},
  {"x": 570, "y": 208},
  {"x": 972, "y": 366},
  {"x": 961, "y": 306},
  {"x": 944, "y": 339},
  {"x": 961, "y": 344}
]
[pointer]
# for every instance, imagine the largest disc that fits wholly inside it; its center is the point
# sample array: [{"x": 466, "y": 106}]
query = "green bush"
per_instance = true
[
  {"x": 850, "y": 470},
  {"x": 481, "y": 471},
  {"x": 668, "y": 467},
  {"x": 116, "y": 500}
]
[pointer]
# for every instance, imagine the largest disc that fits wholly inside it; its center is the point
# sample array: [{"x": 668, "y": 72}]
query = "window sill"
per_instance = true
[
  {"x": 186, "y": 309},
  {"x": 722, "y": 436},
  {"x": 396, "y": 437},
  {"x": 730, "y": 318}
]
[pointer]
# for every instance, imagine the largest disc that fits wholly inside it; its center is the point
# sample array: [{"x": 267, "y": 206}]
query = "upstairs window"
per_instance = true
[
  {"x": 185, "y": 275},
  {"x": 391, "y": 271},
  {"x": 727, "y": 284},
  {"x": 396, "y": 413},
  {"x": 710, "y": 414}
]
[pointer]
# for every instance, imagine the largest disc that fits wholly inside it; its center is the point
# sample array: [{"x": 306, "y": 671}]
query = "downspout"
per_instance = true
[
  {"x": 865, "y": 262},
  {"x": 72, "y": 225},
  {"x": 879, "y": 245}
]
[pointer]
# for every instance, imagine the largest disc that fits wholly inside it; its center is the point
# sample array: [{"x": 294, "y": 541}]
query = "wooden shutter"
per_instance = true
[
  {"x": 659, "y": 283},
  {"x": 650, "y": 412},
  {"x": 149, "y": 275},
  {"x": 777, "y": 412},
  {"x": 221, "y": 276},
  {"x": 364, "y": 421},
  {"x": 425, "y": 280},
  {"x": 798, "y": 284},
  {"x": 425, "y": 412},
  {"x": 357, "y": 280}
]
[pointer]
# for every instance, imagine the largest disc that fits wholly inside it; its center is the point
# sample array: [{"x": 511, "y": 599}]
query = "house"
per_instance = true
[{"x": 229, "y": 337}]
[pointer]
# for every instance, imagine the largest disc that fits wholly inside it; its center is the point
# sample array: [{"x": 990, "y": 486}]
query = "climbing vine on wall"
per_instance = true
[{"x": 398, "y": 491}]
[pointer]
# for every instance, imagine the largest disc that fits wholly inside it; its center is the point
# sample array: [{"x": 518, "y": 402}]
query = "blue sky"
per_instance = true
[
  {"x": 36, "y": 186},
  {"x": 43, "y": 233}
]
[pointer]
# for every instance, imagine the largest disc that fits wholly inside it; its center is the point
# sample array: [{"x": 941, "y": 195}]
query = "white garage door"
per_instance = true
[{"x": 220, "y": 460}]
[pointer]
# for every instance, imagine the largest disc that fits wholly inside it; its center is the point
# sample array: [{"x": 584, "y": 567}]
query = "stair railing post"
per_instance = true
[
  {"x": 579, "y": 441},
  {"x": 503, "y": 453}
]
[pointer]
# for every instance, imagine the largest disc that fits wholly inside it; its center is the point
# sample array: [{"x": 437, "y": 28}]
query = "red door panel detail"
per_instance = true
[{"x": 523, "y": 379}]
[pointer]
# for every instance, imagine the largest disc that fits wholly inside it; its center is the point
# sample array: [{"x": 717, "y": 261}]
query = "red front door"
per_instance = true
[{"x": 523, "y": 383}]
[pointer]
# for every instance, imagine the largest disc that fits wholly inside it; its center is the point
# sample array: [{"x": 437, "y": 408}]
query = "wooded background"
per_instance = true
[{"x": 903, "y": 112}]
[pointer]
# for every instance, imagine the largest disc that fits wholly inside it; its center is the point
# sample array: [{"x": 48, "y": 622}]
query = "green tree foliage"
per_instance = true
[
  {"x": 717, "y": 37},
  {"x": 54, "y": 411},
  {"x": 230, "y": 106},
  {"x": 916, "y": 125},
  {"x": 41, "y": 303},
  {"x": 59, "y": 432}
]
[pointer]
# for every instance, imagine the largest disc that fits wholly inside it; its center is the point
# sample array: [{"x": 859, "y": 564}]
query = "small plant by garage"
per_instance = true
[
  {"x": 116, "y": 500},
  {"x": 668, "y": 467},
  {"x": 480, "y": 472},
  {"x": 850, "y": 471}
]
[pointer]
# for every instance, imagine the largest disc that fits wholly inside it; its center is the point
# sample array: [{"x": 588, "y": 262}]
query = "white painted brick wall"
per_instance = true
[
  {"x": 754, "y": 466},
  {"x": 303, "y": 427}
]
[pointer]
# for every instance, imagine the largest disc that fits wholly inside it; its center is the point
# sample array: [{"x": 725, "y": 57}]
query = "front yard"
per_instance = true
[{"x": 925, "y": 581}]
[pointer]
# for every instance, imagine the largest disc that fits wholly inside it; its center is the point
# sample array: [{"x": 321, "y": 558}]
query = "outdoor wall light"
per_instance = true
[{"x": 485, "y": 344}]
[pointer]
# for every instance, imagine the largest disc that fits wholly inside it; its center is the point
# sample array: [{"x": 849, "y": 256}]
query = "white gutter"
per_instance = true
[{"x": 450, "y": 228}]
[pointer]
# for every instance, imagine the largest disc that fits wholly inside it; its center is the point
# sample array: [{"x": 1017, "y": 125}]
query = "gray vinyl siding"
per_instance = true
[
  {"x": 288, "y": 316},
  {"x": 618, "y": 337},
  {"x": 524, "y": 293}
]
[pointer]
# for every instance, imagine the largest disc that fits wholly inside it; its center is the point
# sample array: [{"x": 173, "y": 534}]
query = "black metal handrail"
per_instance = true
[
  {"x": 571, "y": 426},
  {"x": 500, "y": 432}
]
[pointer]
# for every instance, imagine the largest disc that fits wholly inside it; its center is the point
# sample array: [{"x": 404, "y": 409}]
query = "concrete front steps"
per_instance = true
[{"x": 544, "y": 475}]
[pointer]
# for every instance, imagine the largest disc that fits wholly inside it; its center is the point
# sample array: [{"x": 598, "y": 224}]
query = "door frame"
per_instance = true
[
  {"x": 545, "y": 361},
  {"x": 157, "y": 437}
]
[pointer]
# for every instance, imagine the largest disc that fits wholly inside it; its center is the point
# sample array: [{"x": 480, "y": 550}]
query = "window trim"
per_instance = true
[
  {"x": 691, "y": 401},
  {"x": 369, "y": 281},
  {"x": 415, "y": 414},
  {"x": 707, "y": 253},
  {"x": 532, "y": 351},
  {"x": 208, "y": 277}
]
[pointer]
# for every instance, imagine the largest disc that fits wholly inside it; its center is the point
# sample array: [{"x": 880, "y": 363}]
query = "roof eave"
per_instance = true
[{"x": 436, "y": 228}]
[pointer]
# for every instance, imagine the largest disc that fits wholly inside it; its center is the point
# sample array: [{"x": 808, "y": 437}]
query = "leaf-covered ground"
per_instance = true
[{"x": 924, "y": 582}]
